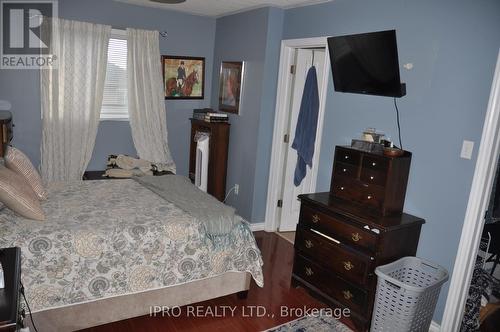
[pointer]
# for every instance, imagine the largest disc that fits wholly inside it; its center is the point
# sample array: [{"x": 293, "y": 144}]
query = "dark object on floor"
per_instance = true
[
  {"x": 491, "y": 322},
  {"x": 10, "y": 296},
  {"x": 494, "y": 249}
]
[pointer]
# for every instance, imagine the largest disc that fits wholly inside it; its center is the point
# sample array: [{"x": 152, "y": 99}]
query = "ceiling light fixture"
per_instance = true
[{"x": 168, "y": 2}]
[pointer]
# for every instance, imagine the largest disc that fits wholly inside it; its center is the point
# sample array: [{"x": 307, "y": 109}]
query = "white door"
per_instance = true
[{"x": 291, "y": 205}]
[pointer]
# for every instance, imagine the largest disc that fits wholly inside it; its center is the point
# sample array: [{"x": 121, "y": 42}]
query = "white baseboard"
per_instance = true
[
  {"x": 435, "y": 327},
  {"x": 257, "y": 226}
]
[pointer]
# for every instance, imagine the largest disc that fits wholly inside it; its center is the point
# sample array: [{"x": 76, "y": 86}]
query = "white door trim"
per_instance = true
[
  {"x": 282, "y": 103},
  {"x": 474, "y": 216}
]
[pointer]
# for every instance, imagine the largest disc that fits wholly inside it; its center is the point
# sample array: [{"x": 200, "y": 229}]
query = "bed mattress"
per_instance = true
[{"x": 110, "y": 238}]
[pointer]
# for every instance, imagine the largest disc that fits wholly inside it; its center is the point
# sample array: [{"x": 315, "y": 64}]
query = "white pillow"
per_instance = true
[
  {"x": 18, "y": 162},
  {"x": 17, "y": 194}
]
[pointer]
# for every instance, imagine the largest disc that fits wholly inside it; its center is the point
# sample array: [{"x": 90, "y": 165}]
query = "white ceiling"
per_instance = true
[{"x": 217, "y": 8}]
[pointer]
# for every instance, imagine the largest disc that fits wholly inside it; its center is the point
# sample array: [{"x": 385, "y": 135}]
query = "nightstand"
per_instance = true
[{"x": 10, "y": 296}]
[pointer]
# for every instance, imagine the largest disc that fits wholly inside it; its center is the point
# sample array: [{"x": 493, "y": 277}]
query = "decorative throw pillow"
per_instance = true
[
  {"x": 18, "y": 162},
  {"x": 17, "y": 195}
]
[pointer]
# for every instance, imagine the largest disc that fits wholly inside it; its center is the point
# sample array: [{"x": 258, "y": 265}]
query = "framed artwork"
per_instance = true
[
  {"x": 230, "y": 86},
  {"x": 183, "y": 77}
]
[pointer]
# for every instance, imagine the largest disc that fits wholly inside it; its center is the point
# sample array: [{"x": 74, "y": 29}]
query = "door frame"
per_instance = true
[
  {"x": 482, "y": 183},
  {"x": 285, "y": 80}
]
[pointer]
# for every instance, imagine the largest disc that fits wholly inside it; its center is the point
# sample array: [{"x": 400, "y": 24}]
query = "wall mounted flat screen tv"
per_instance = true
[{"x": 366, "y": 63}]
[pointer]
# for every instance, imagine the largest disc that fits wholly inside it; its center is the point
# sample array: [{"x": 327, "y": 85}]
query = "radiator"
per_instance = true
[{"x": 201, "y": 172}]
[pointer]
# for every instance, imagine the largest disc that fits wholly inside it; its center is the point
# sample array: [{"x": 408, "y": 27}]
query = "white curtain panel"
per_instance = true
[
  {"x": 146, "y": 99},
  {"x": 72, "y": 97}
]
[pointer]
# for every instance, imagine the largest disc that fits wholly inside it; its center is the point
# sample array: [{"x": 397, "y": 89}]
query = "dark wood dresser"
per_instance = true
[
  {"x": 342, "y": 236},
  {"x": 217, "y": 158}
]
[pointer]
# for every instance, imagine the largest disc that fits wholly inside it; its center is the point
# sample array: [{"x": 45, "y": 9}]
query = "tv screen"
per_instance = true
[{"x": 366, "y": 63}]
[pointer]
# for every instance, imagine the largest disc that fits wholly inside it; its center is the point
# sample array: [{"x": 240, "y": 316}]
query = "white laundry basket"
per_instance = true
[{"x": 407, "y": 292}]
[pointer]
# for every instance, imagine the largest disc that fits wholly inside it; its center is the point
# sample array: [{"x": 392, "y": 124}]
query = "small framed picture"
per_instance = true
[
  {"x": 183, "y": 77},
  {"x": 230, "y": 86}
]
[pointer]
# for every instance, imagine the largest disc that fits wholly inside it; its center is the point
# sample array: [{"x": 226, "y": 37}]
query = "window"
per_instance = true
[{"x": 114, "y": 101}]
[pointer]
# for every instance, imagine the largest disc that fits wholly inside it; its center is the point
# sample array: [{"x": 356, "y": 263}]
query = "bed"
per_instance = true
[{"x": 109, "y": 250}]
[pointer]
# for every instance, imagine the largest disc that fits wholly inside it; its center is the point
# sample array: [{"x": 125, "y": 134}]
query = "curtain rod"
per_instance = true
[{"x": 163, "y": 34}]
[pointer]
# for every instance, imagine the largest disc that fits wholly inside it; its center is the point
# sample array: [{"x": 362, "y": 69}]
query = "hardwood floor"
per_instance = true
[
  {"x": 278, "y": 258},
  {"x": 289, "y": 236}
]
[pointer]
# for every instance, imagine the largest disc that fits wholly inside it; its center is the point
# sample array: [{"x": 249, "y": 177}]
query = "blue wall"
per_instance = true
[
  {"x": 187, "y": 35},
  {"x": 453, "y": 46},
  {"x": 252, "y": 37},
  {"x": 266, "y": 120}
]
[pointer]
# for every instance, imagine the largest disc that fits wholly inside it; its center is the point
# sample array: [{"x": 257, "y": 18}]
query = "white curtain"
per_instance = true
[
  {"x": 71, "y": 98},
  {"x": 146, "y": 99}
]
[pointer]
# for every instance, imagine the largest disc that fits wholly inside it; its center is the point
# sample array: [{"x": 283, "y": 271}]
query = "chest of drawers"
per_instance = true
[
  {"x": 370, "y": 180},
  {"x": 338, "y": 245}
]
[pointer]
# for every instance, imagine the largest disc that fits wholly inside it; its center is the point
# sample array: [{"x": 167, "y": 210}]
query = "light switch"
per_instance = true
[{"x": 467, "y": 147}]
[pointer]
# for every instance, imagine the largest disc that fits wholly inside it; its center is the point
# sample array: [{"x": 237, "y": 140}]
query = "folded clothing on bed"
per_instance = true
[{"x": 217, "y": 218}]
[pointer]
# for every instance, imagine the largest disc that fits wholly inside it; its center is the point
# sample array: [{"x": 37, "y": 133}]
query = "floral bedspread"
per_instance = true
[{"x": 108, "y": 238}]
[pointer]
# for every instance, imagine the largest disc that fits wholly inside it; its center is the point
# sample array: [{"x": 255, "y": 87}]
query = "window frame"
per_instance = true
[{"x": 115, "y": 34}]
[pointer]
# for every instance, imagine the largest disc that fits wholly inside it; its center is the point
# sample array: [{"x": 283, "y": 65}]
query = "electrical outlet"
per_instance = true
[
  {"x": 236, "y": 189},
  {"x": 467, "y": 147}
]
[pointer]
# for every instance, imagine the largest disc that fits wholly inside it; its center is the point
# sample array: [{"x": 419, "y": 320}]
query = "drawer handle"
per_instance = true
[
  {"x": 309, "y": 271},
  {"x": 348, "y": 266},
  {"x": 347, "y": 294},
  {"x": 346, "y": 157},
  {"x": 356, "y": 237},
  {"x": 315, "y": 218},
  {"x": 309, "y": 244}
]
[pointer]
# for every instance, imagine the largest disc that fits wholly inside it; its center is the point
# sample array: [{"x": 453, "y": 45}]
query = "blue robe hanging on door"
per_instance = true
[{"x": 307, "y": 122}]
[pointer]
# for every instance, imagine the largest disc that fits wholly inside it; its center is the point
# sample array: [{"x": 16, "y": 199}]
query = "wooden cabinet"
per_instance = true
[
  {"x": 374, "y": 181},
  {"x": 217, "y": 159},
  {"x": 11, "y": 314},
  {"x": 344, "y": 234},
  {"x": 5, "y": 131},
  {"x": 338, "y": 246}
]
